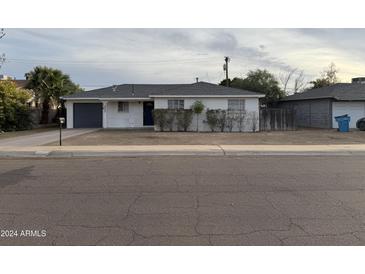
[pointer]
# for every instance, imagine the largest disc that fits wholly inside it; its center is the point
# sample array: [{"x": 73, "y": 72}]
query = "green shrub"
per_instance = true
[
  {"x": 23, "y": 118},
  {"x": 159, "y": 117},
  {"x": 253, "y": 118},
  {"x": 221, "y": 117},
  {"x": 14, "y": 111},
  {"x": 212, "y": 119},
  {"x": 184, "y": 118},
  {"x": 197, "y": 108},
  {"x": 241, "y": 120},
  {"x": 170, "y": 119},
  {"x": 231, "y": 118}
]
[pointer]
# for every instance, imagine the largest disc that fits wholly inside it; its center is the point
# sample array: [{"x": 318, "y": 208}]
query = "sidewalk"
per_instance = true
[{"x": 163, "y": 150}]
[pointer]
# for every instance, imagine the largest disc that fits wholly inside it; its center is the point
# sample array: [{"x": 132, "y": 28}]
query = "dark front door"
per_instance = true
[
  {"x": 147, "y": 113},
  {"x": 88, "y": 115}
]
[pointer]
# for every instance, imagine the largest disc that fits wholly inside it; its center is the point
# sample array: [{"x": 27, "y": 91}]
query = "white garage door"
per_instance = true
[{"x": 355, "y": 110}]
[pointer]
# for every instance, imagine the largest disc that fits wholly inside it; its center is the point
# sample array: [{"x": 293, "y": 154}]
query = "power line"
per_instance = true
[{"x": 59, "y": 61}]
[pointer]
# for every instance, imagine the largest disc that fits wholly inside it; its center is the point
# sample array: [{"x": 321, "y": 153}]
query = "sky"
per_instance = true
[{"x": 102, "y": 57}]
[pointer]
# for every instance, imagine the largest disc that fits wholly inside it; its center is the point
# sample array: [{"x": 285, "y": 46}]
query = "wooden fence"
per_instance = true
[{"x": 272, "y": 119}]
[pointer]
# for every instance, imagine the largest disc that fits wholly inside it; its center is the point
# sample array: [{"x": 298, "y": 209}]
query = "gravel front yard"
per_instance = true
[{"x": 143, "y": 137}]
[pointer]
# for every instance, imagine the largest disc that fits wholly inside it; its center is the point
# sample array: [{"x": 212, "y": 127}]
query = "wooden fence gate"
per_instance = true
[{"x": 277, "y": 119}]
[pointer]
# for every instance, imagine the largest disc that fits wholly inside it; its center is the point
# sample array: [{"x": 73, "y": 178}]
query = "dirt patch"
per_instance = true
[{"x": 299, "y": 137}]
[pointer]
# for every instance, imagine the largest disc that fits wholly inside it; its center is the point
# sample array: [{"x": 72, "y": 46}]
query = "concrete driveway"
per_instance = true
[
  {"x": 43, "y": 138},
  {"x": 251, "y": 200}
]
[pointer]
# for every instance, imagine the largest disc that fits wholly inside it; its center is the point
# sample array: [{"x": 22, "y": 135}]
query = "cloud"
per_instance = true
[{"x": 98, "y": 57}]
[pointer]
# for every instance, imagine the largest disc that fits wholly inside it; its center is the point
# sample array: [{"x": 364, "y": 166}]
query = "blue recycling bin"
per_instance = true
[{"x": 343, "y": 123}]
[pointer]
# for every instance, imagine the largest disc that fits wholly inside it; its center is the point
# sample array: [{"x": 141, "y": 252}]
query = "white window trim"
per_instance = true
[
  {"x": 240, "y": 102},
  {"x": 176, "y": 104},
  {"x": 125, "y": 108}
]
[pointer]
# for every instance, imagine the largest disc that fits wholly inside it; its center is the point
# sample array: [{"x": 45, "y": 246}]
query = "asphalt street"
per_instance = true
[{"x": 183, "y": 200}]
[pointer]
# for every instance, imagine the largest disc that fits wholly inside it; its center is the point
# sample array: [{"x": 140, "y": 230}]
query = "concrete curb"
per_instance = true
[{"x": 180, "y": 150}]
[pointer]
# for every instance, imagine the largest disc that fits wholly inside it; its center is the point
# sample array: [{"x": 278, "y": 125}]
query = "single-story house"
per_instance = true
[
  {"x": 132, "y": 105},
  {"x": 317, "y": 108}
]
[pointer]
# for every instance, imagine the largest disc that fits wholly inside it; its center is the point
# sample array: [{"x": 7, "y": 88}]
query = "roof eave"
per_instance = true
[
  {"x": 162, "y": 96},
  {"x": 302, "y": 99},
  {"x": 106, "y": 99},
  {"x": 209, "y": 96}
]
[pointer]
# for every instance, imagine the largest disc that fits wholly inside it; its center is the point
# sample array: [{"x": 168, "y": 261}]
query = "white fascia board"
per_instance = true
[
  {"x": 106, "y": 99},
  {"x": 208, "y": 96},
  {"x": 164, "y": 96},
  {"x": 124, "y": 99}
]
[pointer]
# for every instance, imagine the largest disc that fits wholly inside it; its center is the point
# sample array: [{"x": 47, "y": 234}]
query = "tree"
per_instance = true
[
  {"x": 285, "y": 79},
  {"x": 260, "y": 81},
  {"x": 14, "y": 111},
  {"x": 49, "y": 85},
  {"x": 328, "y": 77},
  {"x": 224, "y": 81},
  {"x": 197, "y": 108},
  {"x": 296, "y": 77},
  {"x": 236, "y": 82},
  {"x": 299, "y": 82}
]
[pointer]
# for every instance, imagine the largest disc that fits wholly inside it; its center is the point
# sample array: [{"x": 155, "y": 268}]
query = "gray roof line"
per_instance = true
[
  {"x": 145, "y": 90},
  {"x": 339, "y": 92}
]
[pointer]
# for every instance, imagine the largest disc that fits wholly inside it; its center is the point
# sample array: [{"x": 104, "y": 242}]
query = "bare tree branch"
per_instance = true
[
  {"x": 2, "y": 33},
  {"x": 285, "y": 78},
  {"x": 299, "y": 82},
  {"x": 331, "y": 73}
]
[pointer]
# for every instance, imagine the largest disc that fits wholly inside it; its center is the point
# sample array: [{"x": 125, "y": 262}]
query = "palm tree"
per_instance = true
[{"x": 48, "y": 85}]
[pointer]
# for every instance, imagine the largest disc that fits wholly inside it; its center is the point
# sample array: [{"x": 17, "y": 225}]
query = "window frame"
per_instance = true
[
  {"x": 175, "y": 104},
  {"x": 241, "y": 104},
  {"x": 123, "y": 107}
]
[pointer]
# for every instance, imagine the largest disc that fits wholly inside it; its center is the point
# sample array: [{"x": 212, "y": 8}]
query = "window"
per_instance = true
[
  {"x": 175, "y": 104},
  {"x": 123, "y": 107},
  {"x": 236, "y": 104}
]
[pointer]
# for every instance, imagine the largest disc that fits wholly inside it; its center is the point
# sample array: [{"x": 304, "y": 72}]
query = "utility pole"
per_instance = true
[
  {"x": 225, "y": 68},
  {"x": 2, "y": 56}
]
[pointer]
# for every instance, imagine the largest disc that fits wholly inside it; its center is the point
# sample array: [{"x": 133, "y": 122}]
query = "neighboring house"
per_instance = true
[
  {"x": 131, "y": 106},
  {"x": 5, "y": 77},
  {"x": 317, "y": 108},
  {"x": 18, "y": 83}
]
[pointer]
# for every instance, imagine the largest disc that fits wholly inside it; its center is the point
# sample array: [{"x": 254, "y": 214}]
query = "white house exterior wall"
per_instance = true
[
  {"x": 70, "y": 110},
  {"x": 69, "y": 114},
  {"x": 111, "y": 117},
  {"x": 132, "y": 118},
  {"x": 251, "y": 106},
  {"x": 355, "y": 110}
]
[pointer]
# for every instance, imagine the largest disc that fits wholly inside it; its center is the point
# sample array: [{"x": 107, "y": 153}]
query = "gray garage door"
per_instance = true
[{"x": 88, "y": 115}]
